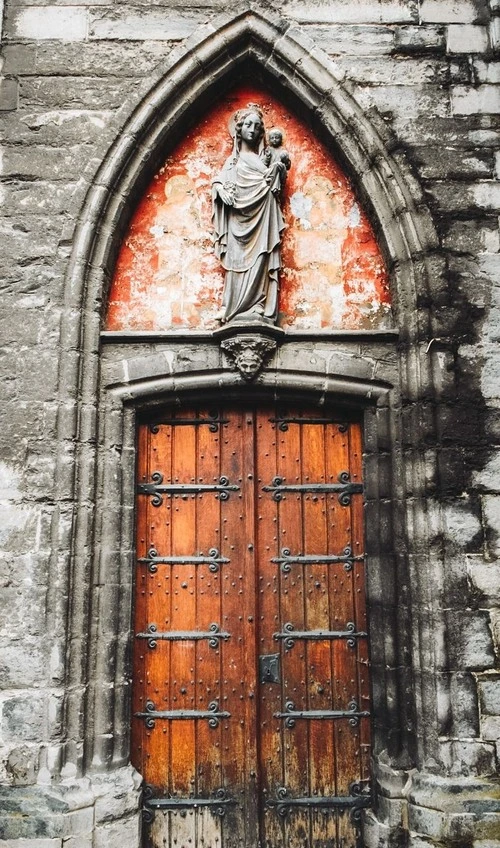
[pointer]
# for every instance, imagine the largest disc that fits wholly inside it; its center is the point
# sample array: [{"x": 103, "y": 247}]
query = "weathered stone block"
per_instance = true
[
  {"x": 18, "y": 59},
  {"x": 46, "y": 163},
  {"x": 473, "y": 236},
  {"x": 457, "y": 705},
  {"x": 454, "y": 464},
  {"x": 13, "y": 609},
  {"x": 407, "y": 102},
  {"x": 488, "y": 72},
  {"x": 483, "y": 100},
  {"x": 102, "y": 58},
  {"x": 354, "y": 11},
  {"x": 392, "y": 811},
  {"x": 457, "y": 134},
  {"x": 357, "y": 40},
  {"x": 9, "y": 94},
  {"x": 21, "y": 765},
  {"x": 488, "y": 478},
  {"x": 444, "y": 164},
  {"x": 462, "y": 523},
  {"x": 118, "y": 834},
  {"x": 484, "y": 578},
  {"x": 150, "y": 24},
  {"x": 120, "y": 800},
  {"x": 425, "y": 821},
  {"x": 459, "y": 828},
  {"x": 453, "y": 11},
  {"x": 467, "y": 39},
  {"x": 58, "y": 128},
  {"x": 23, "y": 716},
  {"x": 469, "y": 639},
  {"x": 491, "y": 519},
  {"x": 70, "y": 92},
  {"x": 419, "y": 39},
  {"x": 80, "y": 841},
  {"x": 469, "y": 758},
  {"x": 486, "y": 195},
  {"x": 54, "y": 22},
  {"x": 23, "y": 664},
  {"x": 415, "y": 841},
  {"x": 392, "y": 71},
  {"x": 490, "y": 729},
  {"x": 31, "y": 843},
  {"x": 489, "y": 695}
]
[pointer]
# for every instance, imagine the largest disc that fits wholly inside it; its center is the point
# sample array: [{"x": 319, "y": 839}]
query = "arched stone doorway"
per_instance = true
[
  {"x": 358, "y": 370},
  {"x": 283, "y": 758}
]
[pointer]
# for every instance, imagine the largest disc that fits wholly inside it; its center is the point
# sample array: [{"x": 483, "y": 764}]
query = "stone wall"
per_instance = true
[{"x": 416, "y": 87}]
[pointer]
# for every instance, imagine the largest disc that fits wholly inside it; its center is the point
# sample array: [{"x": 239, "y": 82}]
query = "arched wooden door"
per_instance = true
[{"x": 251, "y": 686}]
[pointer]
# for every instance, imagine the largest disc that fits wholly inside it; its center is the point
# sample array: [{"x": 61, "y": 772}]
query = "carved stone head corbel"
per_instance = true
[{"x": 249, "y": 352}]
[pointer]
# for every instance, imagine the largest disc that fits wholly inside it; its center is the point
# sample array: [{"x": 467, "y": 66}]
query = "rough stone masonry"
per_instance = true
[{"x": 93, "y": 96}]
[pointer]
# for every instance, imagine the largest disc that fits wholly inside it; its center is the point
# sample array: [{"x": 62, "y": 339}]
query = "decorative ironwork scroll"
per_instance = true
[
  {"x": 157, "y": 488},
  {"x": 344, "y": 488}
]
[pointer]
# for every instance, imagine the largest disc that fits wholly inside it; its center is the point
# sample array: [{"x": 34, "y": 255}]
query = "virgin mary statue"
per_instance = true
[{"x": 248, "y": 223}]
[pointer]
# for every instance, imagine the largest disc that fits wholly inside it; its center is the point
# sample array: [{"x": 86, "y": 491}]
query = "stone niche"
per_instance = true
[{"x": 168, "y": 278}]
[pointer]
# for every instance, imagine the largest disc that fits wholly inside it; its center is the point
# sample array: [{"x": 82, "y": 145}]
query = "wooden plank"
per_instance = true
[
  {"x": 157, "y": 765},
  {"x": 359, "y": 580},
  {"x": 269, "y": 621},
  {"x": 208, "y": 671},
  {"x": 238, "y": 604},
  {"x": 183, "y": 612},
  {"x": 291, "y": 532},
  {"x": 343, "y": 611},
  {"x": 319, "y": 670}
]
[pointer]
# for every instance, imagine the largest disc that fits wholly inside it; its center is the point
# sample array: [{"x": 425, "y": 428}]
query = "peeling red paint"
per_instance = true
[{"x": 167, "y": 276}]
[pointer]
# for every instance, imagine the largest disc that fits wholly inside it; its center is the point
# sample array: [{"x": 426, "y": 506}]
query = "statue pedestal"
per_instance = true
[{"x": 249, "y": 344}]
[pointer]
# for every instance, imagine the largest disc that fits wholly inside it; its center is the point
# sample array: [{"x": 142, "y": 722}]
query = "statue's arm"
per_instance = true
[
  {"x": 225, "y": 191},
  {"x": 223, "y": 185}
]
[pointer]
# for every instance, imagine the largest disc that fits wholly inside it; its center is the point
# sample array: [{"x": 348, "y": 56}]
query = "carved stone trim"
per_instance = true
[{"x": 249, "y": 353}]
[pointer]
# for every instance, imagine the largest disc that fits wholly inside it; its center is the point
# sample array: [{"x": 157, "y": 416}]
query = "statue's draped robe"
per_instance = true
[{"x": 247, "y": 237}]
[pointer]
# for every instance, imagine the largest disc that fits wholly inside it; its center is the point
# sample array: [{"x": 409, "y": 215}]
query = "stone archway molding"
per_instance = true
[{"x": 287, "y": 59}]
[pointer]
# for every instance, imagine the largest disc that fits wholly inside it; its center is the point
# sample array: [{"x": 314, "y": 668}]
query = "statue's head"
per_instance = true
[
  {"x": 252, "y": 114},
  {"x": 275, "y": 137},
  {"x": 248, "y": 362}
]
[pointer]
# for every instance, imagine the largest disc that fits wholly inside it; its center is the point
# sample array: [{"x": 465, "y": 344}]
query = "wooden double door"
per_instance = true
[{"x": 250, "y": 715}]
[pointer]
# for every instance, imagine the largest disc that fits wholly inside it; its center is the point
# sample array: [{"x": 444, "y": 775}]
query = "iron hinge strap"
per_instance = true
[
  {"x": 212, "y": 421},
  {"x": 218, "y": 803},
  {"x": 355, "y": 802},
  {"x": 151, "y": 714},
  {"x": 286, "y": 420},
  {"x": 344, "y": 488},
  {"x": 350, "y": 634},
  {"x": 153, "y": 560},
  {"x": 157, "y": 488},
  {"x": 288, "y": 559},
  {"x": 291, "y": 715},
  {"x": 213, "y": 635}
]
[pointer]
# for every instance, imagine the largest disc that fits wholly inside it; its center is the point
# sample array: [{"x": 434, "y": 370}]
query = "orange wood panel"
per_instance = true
[{"x": 253, "y": 597}]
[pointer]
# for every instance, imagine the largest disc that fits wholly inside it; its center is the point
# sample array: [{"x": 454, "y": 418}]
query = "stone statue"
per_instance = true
[
  {"x": 274, "y": 152},
  {"x": 248, "y": 223}
]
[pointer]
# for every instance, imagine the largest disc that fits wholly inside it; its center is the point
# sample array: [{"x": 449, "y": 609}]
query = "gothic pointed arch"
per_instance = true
[{"x": 266, "y": 48}]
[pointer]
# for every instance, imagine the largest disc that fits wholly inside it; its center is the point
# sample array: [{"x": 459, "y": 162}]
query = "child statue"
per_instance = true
[{"x": 275, "y": 153}]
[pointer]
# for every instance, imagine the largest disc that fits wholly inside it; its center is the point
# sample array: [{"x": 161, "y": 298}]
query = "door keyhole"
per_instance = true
[{"x": 269, "y": 668}]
